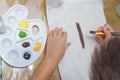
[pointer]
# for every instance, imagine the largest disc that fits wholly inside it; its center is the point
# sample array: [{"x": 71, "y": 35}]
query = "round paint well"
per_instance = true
[
  {"x": 12, "y": 20},
  {"x": 35, "y": 29},
  {"x": 19, "y": 12},
  {"x": 6, "y": 43},
  {"x": 13, "y": 54},
  {"x": 8, "y": 30}
]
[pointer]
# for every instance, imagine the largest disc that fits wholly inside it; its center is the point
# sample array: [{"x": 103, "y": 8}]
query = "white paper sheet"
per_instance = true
[{"x": 75, "y": 64}]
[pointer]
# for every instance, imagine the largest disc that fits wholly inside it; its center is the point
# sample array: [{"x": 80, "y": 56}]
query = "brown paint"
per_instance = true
[{"x": 26, "y": 44}]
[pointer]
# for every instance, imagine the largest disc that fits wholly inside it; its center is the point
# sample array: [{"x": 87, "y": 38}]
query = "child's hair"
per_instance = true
[{"x": 106, "y": 61}]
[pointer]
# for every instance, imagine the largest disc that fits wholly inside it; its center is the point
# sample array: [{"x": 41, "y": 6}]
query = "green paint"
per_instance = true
[{"x": 22, "y": 34}]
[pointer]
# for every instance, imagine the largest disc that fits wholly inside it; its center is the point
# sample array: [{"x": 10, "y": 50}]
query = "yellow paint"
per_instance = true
[
  {"x": 37, "y": 46},
  {"x": 24, "y": 24}
]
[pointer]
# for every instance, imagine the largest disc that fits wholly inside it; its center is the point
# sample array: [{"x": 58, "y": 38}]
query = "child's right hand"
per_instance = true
[{"x": 106, "y": 29}]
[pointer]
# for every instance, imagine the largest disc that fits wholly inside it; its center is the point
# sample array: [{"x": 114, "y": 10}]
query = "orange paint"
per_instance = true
[{"x": 37, "y": 46}]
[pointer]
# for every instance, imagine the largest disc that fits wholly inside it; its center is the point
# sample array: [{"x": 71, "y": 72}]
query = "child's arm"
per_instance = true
[
  {"x": 56, "y": 46},
  {"x": 106, "y": 29}
]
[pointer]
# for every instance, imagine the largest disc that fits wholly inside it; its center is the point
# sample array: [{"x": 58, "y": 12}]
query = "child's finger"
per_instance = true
[
  {"x": 67, "y": 45},
  {"x": 50, "y": 33},
  {"x": 55, "y": 32},
  {"x": 60, "y": 32},
  {"x": 64, "y": 35},
  {"x": 109, "y": 28},
  {"x": 99, "y": 39},
  {"x": 100, "y": 28},
  {"x": 107, "y": 33}
]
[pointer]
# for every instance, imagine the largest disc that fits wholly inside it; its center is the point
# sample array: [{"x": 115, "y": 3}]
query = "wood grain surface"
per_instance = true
[{"x": 110, "y": 13}]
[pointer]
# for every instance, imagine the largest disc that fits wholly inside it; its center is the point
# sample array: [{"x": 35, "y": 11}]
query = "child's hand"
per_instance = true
[
  {"x": 106, "y": 29},
  {"x": 56, "y": 44}
]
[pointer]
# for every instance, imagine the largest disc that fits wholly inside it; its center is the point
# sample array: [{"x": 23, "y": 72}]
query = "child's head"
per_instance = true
[{"x": 106, "y": 61}]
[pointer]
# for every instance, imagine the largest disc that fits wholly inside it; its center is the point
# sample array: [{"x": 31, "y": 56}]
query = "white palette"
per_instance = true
[{"x": 23, "y": 40}]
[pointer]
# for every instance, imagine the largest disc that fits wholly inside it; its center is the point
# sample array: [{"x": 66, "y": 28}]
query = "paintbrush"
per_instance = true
[{"x": 102, "y": 33}]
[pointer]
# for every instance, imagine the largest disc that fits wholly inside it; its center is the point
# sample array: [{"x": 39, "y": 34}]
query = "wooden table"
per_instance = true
[{"x": 110, "y": 13}]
